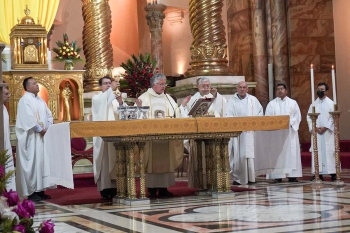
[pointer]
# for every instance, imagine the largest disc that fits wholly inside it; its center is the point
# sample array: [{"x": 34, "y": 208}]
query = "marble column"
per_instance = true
[
  {"x": 280, "y": 41},
  {"x": 97, "y": 47},
  {"x": 260, "y": 51},
  {"x": 208, "y": 49},
  {"x": 155, "y": 16}
]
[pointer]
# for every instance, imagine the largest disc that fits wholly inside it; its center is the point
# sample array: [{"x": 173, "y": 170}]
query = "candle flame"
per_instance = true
[
  {"x": 312, "y": 66},
  {"x": 332, "y": 67}
]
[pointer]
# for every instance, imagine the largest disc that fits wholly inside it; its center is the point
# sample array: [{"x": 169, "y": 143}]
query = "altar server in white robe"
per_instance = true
[
  {"x": 162, "y": 157},
  {"x": 325, "y": 133},
  {"x": 241, "y": 149},
  {"x": 104, "y": 108},
  {"x": 11, "y": 182},
  {"x": 283, "y": 105},
  {"x": 32, "y": 121},
  {"x": 217, "y": 109}
]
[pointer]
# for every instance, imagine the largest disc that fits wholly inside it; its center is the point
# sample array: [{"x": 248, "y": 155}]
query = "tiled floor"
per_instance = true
[{"x": 283, "y": 207}]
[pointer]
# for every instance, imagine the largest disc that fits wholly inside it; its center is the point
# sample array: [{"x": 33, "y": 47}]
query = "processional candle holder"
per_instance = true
[
  {"x": 144, "y": 112},
  {"x": 122, "y": 113},
  {"x": 336, "y": 115},
  {"x": 317, "y": 182}
]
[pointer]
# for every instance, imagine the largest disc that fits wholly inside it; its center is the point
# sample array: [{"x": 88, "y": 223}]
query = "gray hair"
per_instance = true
[
  {"x": 155, "y": 78},
  {"x": 202, "y": 79}
]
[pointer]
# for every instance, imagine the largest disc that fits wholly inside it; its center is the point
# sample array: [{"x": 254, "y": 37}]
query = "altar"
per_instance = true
[{"x": 215, "y": 132}]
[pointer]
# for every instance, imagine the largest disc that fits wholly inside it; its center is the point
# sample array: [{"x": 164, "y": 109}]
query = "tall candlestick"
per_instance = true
[
  {"x": 312, "y": 85},
  {"x": 334, "y": 87},
  {"x": 270, "y": 78}
]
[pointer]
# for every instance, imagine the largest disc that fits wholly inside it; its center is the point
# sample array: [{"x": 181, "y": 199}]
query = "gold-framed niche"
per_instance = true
[
  {"x": 51, "y": 83},
  {"x": 28, "y": 45}
]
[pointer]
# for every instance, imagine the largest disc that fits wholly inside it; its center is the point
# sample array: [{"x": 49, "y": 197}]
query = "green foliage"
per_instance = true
[
  {"x": 66, "y": 50},
  {"x": 4, "y": 160}
]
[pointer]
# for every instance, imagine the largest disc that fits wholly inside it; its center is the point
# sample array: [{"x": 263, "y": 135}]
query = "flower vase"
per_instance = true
[{"x": 68, "y": 65}]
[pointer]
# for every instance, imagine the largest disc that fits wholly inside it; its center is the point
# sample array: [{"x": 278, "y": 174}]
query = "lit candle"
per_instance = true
[
  {"x": 312, "y": 85},
  {"x": 149, "y": 2},
  {"x": 334, "y": 87}
]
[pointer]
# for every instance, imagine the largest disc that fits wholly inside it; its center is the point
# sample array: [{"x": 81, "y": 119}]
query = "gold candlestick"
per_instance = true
[
  {"x": 314, "y": 117},
  {"x": 336, "y": 115}
]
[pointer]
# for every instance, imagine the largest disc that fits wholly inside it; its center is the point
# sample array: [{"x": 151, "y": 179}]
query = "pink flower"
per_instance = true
[
  {"x": 29, "y": 206},
  {"x": 19, "y": 228},
  {"x": 47, "y": 227},
  {"x": 12, "y": 197},
  {"x": 21, "y": 211}
]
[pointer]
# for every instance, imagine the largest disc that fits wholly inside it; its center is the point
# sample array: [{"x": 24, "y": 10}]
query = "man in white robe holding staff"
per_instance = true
[
  {"x": 325, "y": 133},
  {"x": 32, "y": 121},
  {"x": 283, "y": 105}
]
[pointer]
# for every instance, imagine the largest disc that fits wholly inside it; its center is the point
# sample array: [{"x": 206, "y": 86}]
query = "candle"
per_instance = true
[
  {"x": 270, "y": 79},
  {"x": 312, "y": 85},
  {"x": 334, "y": 87},
  {"x": 149, "y": 2}
]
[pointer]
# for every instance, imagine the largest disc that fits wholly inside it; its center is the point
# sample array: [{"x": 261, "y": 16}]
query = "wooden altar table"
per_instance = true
[{"x": 215, "y": 132}]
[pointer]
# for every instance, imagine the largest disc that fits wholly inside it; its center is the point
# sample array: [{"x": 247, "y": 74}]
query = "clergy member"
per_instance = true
[
  {"x": 325, "y": 133},
  {"x": 32, "y": 121},
  {"x": 218, "y": 108},
  {"x": 283, "y": 105},
  {"x": 241, "y": 149},
  {"x": 162, "y": 157},
  {"x": 104, "y": 108},
  {"x": 11, "y": 182}
]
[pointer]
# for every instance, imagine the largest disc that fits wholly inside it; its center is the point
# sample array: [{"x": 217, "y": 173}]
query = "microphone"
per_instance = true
[{"x": 170, "y": 103}]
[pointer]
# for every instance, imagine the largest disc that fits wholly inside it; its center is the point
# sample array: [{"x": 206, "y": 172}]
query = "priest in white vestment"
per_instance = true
[
  {"x": 217, "y": 109},
  {"x": 325, "y": 133},
  {"x": 104, "y": 108},
  {"x": 283, "y": 105},
  {"x": 162, "y": 157},
  {"x": 32, "y": 121},
  {"x": 241, "y": 149},
  {"x": 11, "y": 182}
]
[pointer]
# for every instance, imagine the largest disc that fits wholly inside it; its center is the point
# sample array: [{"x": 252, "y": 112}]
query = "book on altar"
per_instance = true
[{"x": 201, "y": 106}]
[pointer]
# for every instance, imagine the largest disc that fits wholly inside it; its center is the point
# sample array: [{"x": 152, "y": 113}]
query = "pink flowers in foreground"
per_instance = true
[
  {"x": 12, "y": 197},
  {"x": 47, "y": 227}
]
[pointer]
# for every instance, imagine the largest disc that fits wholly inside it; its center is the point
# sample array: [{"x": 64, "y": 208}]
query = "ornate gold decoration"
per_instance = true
[
  {"x": 225, "y": 165},
  {"x": 199, "y": 163},
  {"x": 180, "y": 126},
  {"x": 66, "y": 97},
  {"x": 208, "y": 49},
  {"x": 336, "y": 115},
  {"x": 28, "y": 45},
  {"x": 155, "y": 18},
  {"x": 97, "y": 47},
  {"x": 314, "y": 117},
  {"x": 51, "y": 80}
]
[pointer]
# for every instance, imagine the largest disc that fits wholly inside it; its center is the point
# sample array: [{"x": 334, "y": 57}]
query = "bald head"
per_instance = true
[{"x": 242, "y": 89}]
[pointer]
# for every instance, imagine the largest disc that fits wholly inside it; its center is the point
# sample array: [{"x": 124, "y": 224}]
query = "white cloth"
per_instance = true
[
  {"x": 288, "y": 106},
  {"x": 325, "y": 141},
  {"x": 104, "y": 108},
  {"x": 162, "y": 157},
  {"x": 241, "y": 149},
  {"x": 32, "y": 170},
  {"x": 218, "y": 108},
  {"x": 57, "y": 148},
  {"x": 11, "y": 182}
]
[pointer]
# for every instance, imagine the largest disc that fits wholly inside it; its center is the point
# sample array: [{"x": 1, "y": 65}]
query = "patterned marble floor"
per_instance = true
[{"x": 283, "y": 207}]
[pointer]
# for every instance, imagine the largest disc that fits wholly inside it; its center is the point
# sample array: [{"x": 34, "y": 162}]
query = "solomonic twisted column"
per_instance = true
[
  {"x": 208, "y": 49},
  {"x": 96, "y": 42},
  {"x": 155, "y": 18}
]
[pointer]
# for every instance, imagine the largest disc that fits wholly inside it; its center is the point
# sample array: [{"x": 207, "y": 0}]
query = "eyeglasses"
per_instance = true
[
  {"x": 162, "y": 84},
  {"x": 106, "y": 83},
  {"x": 7, "y": 94}
]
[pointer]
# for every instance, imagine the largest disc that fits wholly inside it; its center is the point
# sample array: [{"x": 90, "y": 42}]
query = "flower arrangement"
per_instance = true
[
  {"x": 138, "y": 73},
  {"x": 66, "y": 50},
  {"x": 17, "y": 216}
]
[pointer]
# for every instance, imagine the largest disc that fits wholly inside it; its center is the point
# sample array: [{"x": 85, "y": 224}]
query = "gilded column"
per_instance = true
[
  {"x": 260, "y": 51},
  {"x": 208, "y": 49},
  {"x": 280, "y": 41},
  {"x": 155, "y": 18},
  {"x": 96, "y": 42}
]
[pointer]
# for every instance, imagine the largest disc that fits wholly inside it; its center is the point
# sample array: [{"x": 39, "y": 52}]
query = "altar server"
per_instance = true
[
  {"x": 32, "y": 121},
  {"x": 241, "y": 149},
  {"x": 325, "y": 133},
  {"x": 104, "y": 108},
  {"x": 283, "y": 105}
]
